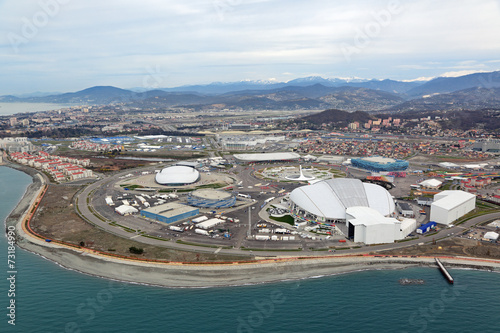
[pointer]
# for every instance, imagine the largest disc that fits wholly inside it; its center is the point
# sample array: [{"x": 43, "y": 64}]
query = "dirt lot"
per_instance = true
[
  {"x": 106, "y": 162},
  {"x": 455, "y": 246},
  {"x": 57, "y": 219}
]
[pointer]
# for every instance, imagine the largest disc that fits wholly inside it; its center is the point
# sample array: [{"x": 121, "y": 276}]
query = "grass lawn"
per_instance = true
[{"x": 287, "y": 219}]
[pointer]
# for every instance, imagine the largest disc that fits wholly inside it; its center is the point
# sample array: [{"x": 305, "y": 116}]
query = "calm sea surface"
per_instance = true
[
  {"x": 52, "y": 299},
  {"x": 13, "y": 108}
]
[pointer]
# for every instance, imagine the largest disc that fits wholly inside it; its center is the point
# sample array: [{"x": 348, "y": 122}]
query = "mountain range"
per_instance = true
[{"x": 468, "y": 92}]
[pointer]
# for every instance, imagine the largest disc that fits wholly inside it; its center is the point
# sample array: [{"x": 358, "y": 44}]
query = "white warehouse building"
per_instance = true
[
  {"x": 449, "y": 206},
  {"x": 366, "y": 225}
]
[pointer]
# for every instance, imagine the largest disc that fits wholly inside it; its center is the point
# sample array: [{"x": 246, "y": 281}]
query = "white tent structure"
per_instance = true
[
  {"x": 126, "y": 210},
  {"x": 431, "y": 183},
  {"x": 491, "y": 235},
  {"x": 209, "y": 223},
  {"x": 449, "y": 206}
]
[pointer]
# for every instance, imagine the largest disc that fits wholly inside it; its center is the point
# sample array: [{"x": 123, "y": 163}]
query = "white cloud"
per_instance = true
[{"x": 113, "y": 41}]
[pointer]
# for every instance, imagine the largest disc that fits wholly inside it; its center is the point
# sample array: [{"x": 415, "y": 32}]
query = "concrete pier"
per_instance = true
[{"x": 445, "y": 272}]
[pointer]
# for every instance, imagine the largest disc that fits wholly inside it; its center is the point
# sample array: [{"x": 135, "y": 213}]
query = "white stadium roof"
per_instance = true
[
  {"x": 331, "y": 198},
  {"x": 177, "y": 175},
  {"x": 267, "y": 157},
  {"x": 379, "y": 159}
]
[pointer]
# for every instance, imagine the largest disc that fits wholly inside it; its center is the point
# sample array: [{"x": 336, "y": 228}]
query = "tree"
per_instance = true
[{"x": 135, "y": 250}]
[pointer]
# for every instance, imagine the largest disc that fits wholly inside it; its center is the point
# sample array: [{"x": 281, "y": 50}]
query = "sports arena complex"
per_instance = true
[
  {"x": 365, "y": 210},
  {"x": 379, "y": 163}
]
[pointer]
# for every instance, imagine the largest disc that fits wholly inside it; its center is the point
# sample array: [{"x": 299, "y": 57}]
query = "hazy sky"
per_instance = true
[{"x": 69, "y": 45}]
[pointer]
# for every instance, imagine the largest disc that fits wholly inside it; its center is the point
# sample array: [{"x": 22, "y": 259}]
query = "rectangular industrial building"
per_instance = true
[
  {"x": 449, "y": 206},
  {"x": 406, "y": 227},
  {"x": 170, "y": 212},
  {"x": 366, "y": 225},
  {"x": 405, "y": 209},
  {"x": 424, "y": 201}
]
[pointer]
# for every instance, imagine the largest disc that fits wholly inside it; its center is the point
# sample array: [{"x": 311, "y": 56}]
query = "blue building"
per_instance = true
[
  {"x": 209, "y": 198},
  {"x": 426, "y": 227},
  {"x": 379, "y": 163},
  {"x": 170, "y": 212}
]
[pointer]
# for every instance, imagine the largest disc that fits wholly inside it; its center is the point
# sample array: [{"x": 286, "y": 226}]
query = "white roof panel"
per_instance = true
[
  {"x": 267, "y": 157},
  {"x": 368, "y": 216},
  {"x": 431, "y": 182},
  {"x": 351, "y": 192},
  {"x": 124, "y": 209},
  {"x": 379, "y": 199},
  {"x": 451, "y": 199}
]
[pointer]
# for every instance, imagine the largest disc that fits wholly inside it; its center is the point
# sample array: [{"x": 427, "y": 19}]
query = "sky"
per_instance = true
[{"x": 70, "y": 45}]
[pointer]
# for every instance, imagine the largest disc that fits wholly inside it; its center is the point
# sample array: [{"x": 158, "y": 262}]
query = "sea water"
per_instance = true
[
  {"x": 14, "y": 108},
  {"x": 50, "y": 298}
]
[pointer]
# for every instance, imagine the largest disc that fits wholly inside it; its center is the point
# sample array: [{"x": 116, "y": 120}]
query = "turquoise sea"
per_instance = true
[{"x": 52, "y": 299}]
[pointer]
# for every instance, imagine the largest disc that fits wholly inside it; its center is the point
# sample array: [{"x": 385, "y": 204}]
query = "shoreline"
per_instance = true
[
  {"x": 180, "y": 275},
  {"x": 213, "y": 276}
]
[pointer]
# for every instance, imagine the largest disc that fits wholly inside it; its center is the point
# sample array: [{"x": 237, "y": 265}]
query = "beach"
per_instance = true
[{"x": 189, "y": 275}]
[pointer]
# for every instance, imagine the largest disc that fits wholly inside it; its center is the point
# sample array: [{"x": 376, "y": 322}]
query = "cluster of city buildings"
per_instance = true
[
  {"x": 78, "y": 120},
  {"x": 394, "y": 149},
  {"x": 425, "y": 126},
  {"x": 59, "y": 167},
  {"x": 376, "y": 124},
  {"x": 473, "y": 184},
  {"x": 16, "y": 144}
]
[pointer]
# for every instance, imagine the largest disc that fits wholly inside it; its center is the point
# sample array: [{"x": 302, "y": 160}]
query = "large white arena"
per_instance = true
[
  {"x": 327, "y": 201},
  {"x": 177, "y": 176},
  {"x": 365, "y": 210}
]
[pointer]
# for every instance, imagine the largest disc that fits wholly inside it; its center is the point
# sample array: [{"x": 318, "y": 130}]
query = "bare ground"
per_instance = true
[
  {"x": 57, "y": 219},
  {"x": 454, "y": 246}
]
